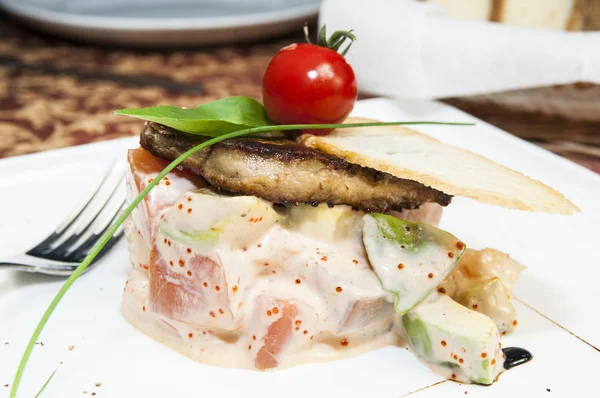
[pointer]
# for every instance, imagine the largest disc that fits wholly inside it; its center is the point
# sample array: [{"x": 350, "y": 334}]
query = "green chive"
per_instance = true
[{"x": 113, "y": 228}]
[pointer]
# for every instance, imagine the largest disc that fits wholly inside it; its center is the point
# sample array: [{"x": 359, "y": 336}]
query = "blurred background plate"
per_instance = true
[{"x": 156, "y": 23}]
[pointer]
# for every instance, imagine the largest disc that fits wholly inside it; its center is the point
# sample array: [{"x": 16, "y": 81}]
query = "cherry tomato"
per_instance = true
[{"x": 306, "y": 83}]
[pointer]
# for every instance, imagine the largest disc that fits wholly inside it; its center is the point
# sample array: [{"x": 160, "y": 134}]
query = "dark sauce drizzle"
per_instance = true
[{"x": 515, "y": 356}]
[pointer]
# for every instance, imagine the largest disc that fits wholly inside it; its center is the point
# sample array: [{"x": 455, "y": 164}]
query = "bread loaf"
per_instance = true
[
  {"x": 476, "y": 10},
  {"x": 548, "y": 14}
]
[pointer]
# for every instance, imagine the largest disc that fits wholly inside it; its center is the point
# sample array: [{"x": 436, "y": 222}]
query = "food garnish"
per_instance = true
[{"x": 311, "y": 83}]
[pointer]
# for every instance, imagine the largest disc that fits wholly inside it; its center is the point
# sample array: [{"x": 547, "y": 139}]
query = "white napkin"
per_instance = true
[{"x": 407, "y": 48}]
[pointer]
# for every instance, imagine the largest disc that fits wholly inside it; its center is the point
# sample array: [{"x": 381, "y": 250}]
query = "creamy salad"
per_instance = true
[{"x": 233, "y": 280}]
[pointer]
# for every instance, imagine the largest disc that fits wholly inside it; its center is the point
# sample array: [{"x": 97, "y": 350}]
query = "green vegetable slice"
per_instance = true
[{"x": 410, "y": 259}]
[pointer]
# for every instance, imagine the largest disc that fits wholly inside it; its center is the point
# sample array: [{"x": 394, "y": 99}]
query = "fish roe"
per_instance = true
[
  {"x": 484, "y": 355},
  {"x": 338, "y": 289},
  {"x": 450, "y": 254},
  {"x": 344, "y": 342},
  {"x": 189, "y": 210},
  {"x": 269, "y": 313},
  {"x": 400, "y": 266},
  {"x": 275, "y": 310},
  {"x": 234, "y": 288},
  {"x": 181, "y": 262},
  {"x": 430, "y": 275},
  {"x": 441, "y": 290},
  {"x": 298, "y": 281},
  {"x": 443, "y": 343},
  {"x": 355, "y": 261},
  {"x": 189, "y": 273},
  {"x": 217, "y": 288},
  {"x": 460, "y": 245}
]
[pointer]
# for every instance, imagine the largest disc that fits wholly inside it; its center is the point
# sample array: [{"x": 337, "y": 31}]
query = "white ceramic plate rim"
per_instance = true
[{"x": 154, "y": 24}]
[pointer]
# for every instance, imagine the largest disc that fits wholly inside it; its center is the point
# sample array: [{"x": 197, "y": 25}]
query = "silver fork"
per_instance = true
[{"x": 62, "y": 251}]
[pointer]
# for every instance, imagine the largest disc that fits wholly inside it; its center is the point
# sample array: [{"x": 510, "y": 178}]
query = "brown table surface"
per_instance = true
[{"x": 55, "y": 93}]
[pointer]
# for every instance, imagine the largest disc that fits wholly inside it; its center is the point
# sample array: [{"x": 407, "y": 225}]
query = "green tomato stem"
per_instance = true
[
  {"x": 113, "y": 228},
  {"x": 334, "y": 42}
]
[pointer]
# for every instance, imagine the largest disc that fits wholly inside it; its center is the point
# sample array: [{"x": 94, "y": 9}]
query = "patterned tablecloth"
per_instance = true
[{"x": 55, "y": 93}]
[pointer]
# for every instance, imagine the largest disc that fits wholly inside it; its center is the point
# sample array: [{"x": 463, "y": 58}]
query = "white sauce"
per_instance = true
[{"x": 336, "y": 305}]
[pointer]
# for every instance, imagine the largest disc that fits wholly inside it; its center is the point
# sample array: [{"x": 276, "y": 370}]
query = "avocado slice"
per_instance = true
[
  {"x": 204, "y": 217},
  {"x": 323, "y": 222},
  {"x": 410, "y": 259},
  {"x": 461, "y": 344}
]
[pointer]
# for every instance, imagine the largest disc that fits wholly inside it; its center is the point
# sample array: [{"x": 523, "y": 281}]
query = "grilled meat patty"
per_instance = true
[{"x": 282, "y": 171}]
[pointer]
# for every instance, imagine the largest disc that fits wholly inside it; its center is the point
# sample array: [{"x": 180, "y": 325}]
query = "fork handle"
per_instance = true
[
  {"x": 16, "y": 267},
  {"x": 27, "y": 263}
]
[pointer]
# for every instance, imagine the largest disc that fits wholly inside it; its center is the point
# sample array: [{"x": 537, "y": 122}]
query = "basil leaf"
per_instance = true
[{"x": 212, "y": 119}]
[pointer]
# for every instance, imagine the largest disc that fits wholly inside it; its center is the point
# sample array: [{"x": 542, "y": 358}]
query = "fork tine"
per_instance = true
[
  {"x": 114, "y": 239},
  {"x": 75, "y": 214},
  {"x": 83, "y": 248},
  {"x": 82, "y": 224}
]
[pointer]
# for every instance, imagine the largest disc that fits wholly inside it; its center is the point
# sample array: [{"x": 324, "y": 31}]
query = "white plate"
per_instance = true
[
  {"x": 151, "y": 23},
  {"x": 560, "y": 287}
]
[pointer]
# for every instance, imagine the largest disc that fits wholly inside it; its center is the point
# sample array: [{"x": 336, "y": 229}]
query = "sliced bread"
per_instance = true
[{"x": 408, "y": 154}]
